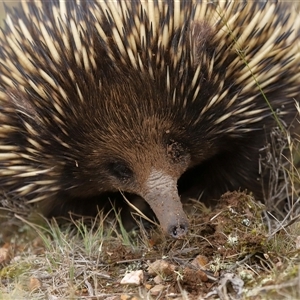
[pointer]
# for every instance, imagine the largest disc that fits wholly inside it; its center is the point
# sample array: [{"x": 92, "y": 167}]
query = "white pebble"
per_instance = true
[{"x": 133, "y": 278}]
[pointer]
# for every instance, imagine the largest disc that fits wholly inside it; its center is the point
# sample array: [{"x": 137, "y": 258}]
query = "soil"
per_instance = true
[{"x": 222, "y": 242}]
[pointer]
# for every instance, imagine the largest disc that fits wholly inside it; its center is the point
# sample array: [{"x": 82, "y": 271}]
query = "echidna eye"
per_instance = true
[{"x": 120, "y": 170}]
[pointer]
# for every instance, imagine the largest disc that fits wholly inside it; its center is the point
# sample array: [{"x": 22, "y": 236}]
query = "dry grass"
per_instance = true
[{"x": 228, "y": 251}]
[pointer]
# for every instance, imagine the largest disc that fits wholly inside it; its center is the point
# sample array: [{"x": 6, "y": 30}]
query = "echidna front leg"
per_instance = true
[{"x": 162, "y": 196}]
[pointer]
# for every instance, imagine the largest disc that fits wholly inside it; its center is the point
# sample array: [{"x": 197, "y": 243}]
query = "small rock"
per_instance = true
[
  {"x": 34, "y": 283},
  {"x": 156, "y": 290},
  {"x": 161, "y": 267},
  {"x": 200, "y": 261},
  {"x": 133, "y": 278},
  {"x": 148, "y": 286},
  {"x": 157, "y": 279}
]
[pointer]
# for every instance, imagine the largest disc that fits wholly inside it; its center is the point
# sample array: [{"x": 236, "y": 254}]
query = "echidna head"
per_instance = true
[
  {"x": 131, "y": 144},
  {"x": 149, "y": 167}
]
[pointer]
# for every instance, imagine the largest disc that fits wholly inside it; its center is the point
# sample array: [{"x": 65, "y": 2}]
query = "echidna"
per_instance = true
[{"x": 132, "y": 96}]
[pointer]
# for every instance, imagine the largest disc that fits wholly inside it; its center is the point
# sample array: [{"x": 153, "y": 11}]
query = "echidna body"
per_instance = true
[{"x": 100, "y": 96}]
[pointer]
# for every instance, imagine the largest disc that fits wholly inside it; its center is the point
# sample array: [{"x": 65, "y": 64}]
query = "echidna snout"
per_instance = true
[{"x": 163, "y": 198}]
